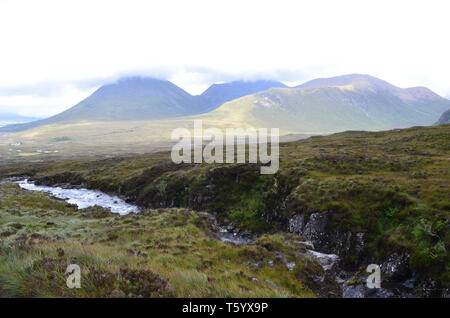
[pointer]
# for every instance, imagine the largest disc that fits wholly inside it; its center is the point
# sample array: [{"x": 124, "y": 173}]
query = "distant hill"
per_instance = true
[
  {"x": 140, "y": 98},
  {"x": 350, "y": 102},
  {"x": 132, "y": 98},
  {"x": 11, "y": 118},
  {"x": 347, "y": 103},
  {"x": 444, "y": 119},
  {"x": 325, "y": 105},
  {"x": 217, "y": 94}
]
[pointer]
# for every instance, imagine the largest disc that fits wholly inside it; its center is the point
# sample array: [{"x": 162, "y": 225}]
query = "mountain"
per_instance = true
[
  {"x": 10, "y": 118},
  {"x": 133, "y": 98},
  {"x": 444, "y": 119},
  {"x": 349, "y": 102},
  {"x": 15, "y": 117},
  {"x": 142, "y": 98},
  {"x": 325, "y": 105},
  {"x": 217, "y": 94},
  {"x": 370, "y": 83}
]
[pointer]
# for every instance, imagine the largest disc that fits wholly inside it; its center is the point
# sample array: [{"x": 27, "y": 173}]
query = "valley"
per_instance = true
[
  {"x": 379, "y": 197},
  {"x": 137, "y": 115}
]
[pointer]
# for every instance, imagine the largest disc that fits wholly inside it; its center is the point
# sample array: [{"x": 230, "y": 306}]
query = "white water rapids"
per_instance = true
[{"x": 84, "y": 198}]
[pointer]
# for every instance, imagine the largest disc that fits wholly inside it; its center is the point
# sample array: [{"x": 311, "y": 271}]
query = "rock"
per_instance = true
[
  {"x": 309, "y": 244},
  {"x": 379, "y": 293},
  {"x": 359, "y": 242},
  {"x": 328, "y": 261},
  {"x": 296, "y": 224},
  {"x": 314, "y": 230},
  {"x": 290, "y": 265},
  {"x": 326, "y": 239},
  {"x": 362, "y": 291},
  {"x": 353, "y": 291},
  {"x": 433, "y": 289},
  {"x": 410, "y": 283},
  {"x": 396, "y": 267}
]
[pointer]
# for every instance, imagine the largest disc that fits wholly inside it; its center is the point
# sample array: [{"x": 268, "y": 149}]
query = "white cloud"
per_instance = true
[
  {"x": 43, "y": 106},
  {"x": 195, "y": 43}
]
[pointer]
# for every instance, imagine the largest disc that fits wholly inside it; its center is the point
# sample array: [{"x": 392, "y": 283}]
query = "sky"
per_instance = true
[{"x": 55, "y": 53}]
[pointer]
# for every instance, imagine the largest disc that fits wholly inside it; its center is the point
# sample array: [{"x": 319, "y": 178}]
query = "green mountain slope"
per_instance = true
[
  {"x": 351, "y": 102},
  {"x": 139, "y": 98},
  {"x": 217, "y": 94},
  {"x": 132, "y": 98},
  {"x": 444, "y": 119}
]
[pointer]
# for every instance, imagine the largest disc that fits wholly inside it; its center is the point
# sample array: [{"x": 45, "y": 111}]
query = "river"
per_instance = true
[{"x": 83, "y": 198}]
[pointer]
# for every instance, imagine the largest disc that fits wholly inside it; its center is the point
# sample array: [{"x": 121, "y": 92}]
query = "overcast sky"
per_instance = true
[{"x": 55, "y": 53}]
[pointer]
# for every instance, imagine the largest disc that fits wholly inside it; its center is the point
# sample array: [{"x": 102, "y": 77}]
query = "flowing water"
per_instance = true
[{"x": 83, "y": 198}]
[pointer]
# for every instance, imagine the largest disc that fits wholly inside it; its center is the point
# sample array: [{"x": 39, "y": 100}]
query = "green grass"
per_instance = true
[
  {"x": 156, "y": 253},
  {"x": 392, "y": 186}
]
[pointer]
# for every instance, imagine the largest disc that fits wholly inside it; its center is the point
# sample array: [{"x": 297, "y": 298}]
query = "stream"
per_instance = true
[{"x": 85, "y": 198}]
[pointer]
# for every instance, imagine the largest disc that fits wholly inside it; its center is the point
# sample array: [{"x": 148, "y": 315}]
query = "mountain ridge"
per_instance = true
[
  {"x": 146, "y": 98},
  {"x": 444, "y": 119},
  {"x": 323, "y": 105},
  {"x": 217, "y": 94},
  {"x": 349, "y": 102}
]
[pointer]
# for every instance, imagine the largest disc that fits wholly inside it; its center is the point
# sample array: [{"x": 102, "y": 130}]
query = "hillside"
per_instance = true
[
  {"x": 142, "y": 98},
  {"x": 217, "y": 94},
  {"x": 133, "y": 98},
  {"x": 351, "y": 102},
  {"x": 444, "y": 119},
  {"x": 369, "y": 197}
]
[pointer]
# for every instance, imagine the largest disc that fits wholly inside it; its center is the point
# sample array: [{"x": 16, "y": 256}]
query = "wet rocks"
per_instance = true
[
  {"x": 362, "y": 291},
  {"x": 328, "y": 261},
  {"x": 297, "y": 224},
  {"x": 396, "y": 267},
  {"x": 432, "y": 289},
  {"x": 324, "y": 237},
  {"x": 329, "y": 239}
]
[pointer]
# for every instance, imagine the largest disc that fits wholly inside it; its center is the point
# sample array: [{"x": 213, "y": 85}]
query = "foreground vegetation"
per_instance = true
[
  {"x": 391, "y": 186},
  {"x": 156, "y": 253}
]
